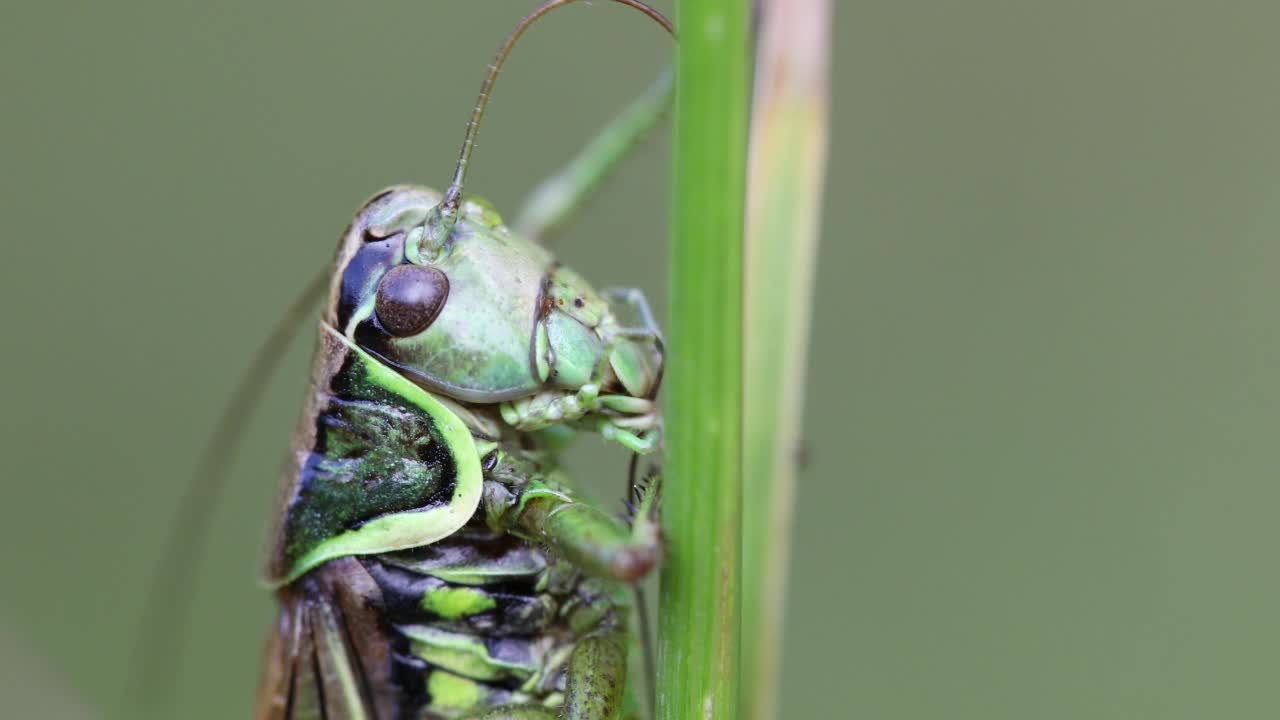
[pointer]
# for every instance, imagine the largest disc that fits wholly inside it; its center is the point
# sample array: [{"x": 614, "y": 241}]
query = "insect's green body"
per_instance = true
[{"x": 430, "y": 559}]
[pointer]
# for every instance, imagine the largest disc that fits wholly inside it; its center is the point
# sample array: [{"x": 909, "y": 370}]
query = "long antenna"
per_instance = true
[
  {"x": 453, "y": 196},
  {"x": 171, "y": 590}
]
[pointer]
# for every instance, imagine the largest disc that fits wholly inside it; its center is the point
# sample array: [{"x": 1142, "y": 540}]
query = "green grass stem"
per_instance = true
[{"x": 701, "y": 591}]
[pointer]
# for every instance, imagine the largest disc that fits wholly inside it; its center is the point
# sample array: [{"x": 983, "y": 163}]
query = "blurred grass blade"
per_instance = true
[
  {"x": 784, "y": 199},
  {"x": 702, "y": 496}
]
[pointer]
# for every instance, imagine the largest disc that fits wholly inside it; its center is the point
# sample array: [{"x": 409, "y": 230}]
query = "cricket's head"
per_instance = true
[
  {"x": 483, "y": 316},
  {"x": 437, "y": 287}
]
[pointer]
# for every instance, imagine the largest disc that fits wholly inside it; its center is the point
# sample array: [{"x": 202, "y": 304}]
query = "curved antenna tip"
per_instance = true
[{"x": 453, "y": 196}]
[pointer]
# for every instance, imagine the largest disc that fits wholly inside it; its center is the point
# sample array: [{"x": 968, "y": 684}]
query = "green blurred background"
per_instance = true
[{"x": 1042, "y": 477}]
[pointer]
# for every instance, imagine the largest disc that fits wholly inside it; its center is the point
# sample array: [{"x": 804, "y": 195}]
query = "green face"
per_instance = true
[{"x": 486, "y": 316}]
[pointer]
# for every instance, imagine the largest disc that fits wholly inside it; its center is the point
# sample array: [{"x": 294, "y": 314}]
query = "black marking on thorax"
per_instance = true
[{"x": 374, "y": 453}]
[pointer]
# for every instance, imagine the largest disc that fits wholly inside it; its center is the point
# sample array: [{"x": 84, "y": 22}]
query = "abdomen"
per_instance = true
[{"x": 475, "y": 620}]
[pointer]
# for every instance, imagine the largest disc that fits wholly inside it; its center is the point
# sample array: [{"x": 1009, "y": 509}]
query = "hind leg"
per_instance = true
[
  {"x": 596, "y": 681},
  {"x": 518, "y": 712}
]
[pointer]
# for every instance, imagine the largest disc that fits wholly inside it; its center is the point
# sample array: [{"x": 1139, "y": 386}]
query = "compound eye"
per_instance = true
[{"x": 409, "y": 299}]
